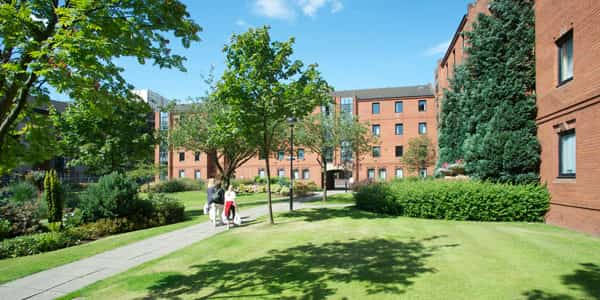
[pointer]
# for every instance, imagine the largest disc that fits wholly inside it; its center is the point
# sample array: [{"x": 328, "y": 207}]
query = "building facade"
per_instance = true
[
  {"x": 568, "y": 119},
  {"x": 394, "y": 114}
]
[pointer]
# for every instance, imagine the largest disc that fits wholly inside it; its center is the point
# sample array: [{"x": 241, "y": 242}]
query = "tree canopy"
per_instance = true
[
  {"x": 263, "y": 86},
  {"x": 70, "y": 45},
  {"x": 420, "y": 153},
  {"x": 488, "y": 115}
]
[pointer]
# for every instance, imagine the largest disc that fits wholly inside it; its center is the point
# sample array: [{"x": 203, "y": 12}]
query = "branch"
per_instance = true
[{"x": 21, "y": 100}]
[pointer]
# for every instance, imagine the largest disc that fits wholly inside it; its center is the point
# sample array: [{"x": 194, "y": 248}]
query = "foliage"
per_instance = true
[
  {"x": 35, "y": 243},
  {"x": 96, "y": 134},
  {"x": 262, "y": 87},
  {"x": 325, "y": 133},
  {"x": 175, "y": 185},
  {"x": 284, "y": 191},
  {"x": 5, "y": 228},
  {"x": 166, "y": 210},
  {"x": 23, "y": 217},
  {"x": 304, "y": 188},
  {"x": 54, "y": 197},
  {"x": 456, "y": 200},
  {"x": 143, "y": 172},
  {"x": 22, "y": 192},
  {"x": 488, "y": 116},
  {"x": 420, "y": 153},
  {"x": 71, "y": 46},
  {"x": 114, "y": 196}
]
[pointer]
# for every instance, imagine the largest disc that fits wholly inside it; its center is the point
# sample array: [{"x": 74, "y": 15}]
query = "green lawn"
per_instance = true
[
  {"x": 349, "y": 254},
  {"x": 14, "y": 268}
]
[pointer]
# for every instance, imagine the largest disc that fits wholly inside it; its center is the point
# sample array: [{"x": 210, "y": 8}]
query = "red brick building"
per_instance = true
[
  {"x": 395, "y": 114},
  {"x": 568, "y": 98}
]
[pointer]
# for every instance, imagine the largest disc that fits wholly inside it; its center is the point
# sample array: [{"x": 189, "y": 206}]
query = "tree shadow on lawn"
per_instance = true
[
  {"x": 320, "y": 214},
  {"x": 306, "y": 271},
  {"x": 586, "y": 279}
]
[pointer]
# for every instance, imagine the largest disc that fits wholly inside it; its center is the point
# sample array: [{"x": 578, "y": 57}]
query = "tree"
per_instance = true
[
  {"x": 489, "y": 116},
  {"x": 54, "y": 197},
  {"x": 207, "y": 127},
  {"x": 420, "y": 153},
  {"x": 262, "y": 86},
  {"x": 323, "y": 134},
  {"x": 106, "y": 137},
  {"x": 70, "y": 46}
]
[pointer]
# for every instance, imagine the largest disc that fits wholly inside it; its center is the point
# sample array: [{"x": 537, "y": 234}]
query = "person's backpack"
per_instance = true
[{"x": 220, "y": 196}]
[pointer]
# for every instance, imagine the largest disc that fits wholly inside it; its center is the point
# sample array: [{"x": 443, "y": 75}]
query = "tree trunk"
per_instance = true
[
  {"x": 268, "y": 171},
  {"x": 325, "y": 180}
]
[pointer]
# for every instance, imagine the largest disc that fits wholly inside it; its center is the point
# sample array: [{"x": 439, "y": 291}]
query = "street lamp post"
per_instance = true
[{"x": 291, "y": 121}]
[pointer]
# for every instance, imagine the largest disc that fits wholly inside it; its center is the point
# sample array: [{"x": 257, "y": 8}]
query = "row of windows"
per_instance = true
[
  {"x": 281, "y": 154},
  {"x": 398, "y": 129},
  {"x": 382, "y": 173},
  {"x": 398, "y": 151},
  {"x": 398, "y": 107},
  {"x": 197, "y": 174},
  {"x": 182, "y": 156},
  {"x": 281, "y": 173}
]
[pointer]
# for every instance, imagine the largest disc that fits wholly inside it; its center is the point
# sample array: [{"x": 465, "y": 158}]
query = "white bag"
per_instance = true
[{"x": 237, "y": 220}]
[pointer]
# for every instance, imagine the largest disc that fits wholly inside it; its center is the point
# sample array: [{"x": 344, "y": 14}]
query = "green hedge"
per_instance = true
[
  {"x": 455, "y": 200},
  {"x": 174, "y": 186},
  {"x": 165, "y": 211}
]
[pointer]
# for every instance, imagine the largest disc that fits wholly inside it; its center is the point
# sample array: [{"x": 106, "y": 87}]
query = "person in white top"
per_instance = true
[{"x": 230, "y": 212}]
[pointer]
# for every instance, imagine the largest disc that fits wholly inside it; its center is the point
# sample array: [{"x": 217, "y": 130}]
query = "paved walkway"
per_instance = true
[{"x": 68, "y": 278}]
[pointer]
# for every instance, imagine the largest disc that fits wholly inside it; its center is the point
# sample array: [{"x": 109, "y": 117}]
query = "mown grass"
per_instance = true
[
  {"x": 350, "y": 254},
  {"x": 14, "y": 268}
]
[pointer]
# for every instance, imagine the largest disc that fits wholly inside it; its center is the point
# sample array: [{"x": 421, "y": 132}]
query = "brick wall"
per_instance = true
[{"x": 572, "y": 105}]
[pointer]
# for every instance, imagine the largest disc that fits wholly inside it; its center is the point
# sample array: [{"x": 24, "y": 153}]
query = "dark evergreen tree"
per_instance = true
[{"x": 494, "y": 98}]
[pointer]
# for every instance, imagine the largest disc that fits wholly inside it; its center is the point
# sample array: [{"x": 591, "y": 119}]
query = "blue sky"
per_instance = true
[{"x": 357, "y": 43}]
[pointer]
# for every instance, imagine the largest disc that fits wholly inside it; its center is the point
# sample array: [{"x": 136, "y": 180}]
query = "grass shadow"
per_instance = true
[
  {"x": 586, "y": 280},
  {"x": 320, "y": 214},
  {"x": 306, "y": 271}
]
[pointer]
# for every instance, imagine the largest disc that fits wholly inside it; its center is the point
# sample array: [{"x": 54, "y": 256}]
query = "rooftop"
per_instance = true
[{"x": 388, "y": 92}]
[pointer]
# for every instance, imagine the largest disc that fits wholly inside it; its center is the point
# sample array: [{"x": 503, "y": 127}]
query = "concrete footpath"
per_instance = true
[{"x": 68, "y": 278}]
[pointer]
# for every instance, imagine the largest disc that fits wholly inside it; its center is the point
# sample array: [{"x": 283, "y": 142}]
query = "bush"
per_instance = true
[
  {"x": 456, "y": 200},
  {"x": 36, "y": 243},
  {"x": 23, "y": 217},
  {"x": 114, "y": 196},
  {"x": 238, "y": 182},
  {"x": 54, "y": 197},
  {"x": 304, "y": 188},
  {"x": 285, "y": 191},
  {"x": 166, "y": 210},
  {"x": 174, "y": 186},
  {"x": 22, "y": 192},
  {"x": 5, "y": 228}
]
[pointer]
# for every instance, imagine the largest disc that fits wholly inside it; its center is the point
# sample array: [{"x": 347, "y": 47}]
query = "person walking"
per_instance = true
[
  {"x": 231, "y": 207},
  {"x": 214, "y": 200}
]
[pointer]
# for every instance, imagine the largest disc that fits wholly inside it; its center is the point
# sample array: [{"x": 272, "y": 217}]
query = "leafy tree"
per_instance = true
[
  {"x": 70, "y": 45},
  {"x": 489, "y": 116},
  {"x": 420, "y": 153},
  {"x": 207, "y": 127},
  {"x": 324, "y": 134},
  {"x": 262, "y": 86},
  {"x": 106, "y": 137}
]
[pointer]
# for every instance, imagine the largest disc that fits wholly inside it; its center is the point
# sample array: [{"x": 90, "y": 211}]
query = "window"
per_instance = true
[
  {"x": 398, "y": 107},
  {"x": 423, "y": 172},
  {"x": 346, "y": 151},
  {"x": 422, "y": 128},
  {"x": 346, "y": 105},
  {"x": 164, "y": 120},
  {"x": 565, "y": 57},
  {"x": 329, "y": 154},
  {"x": 261, "y": 173},
  {"x": 305, "y": 174},
  {"x": 197, "y": 156},
  {"x": 197, "y": 174},
  {"x": 375, "y": 108},
  {"x": 281, "y": 172},
  {"x": 376, "y": 129},
  {"x": 181, "y": 156},
  {"x": 376, "y": 151},
  {"x": 181, "y": 173},
  {"x": 566, "y": 153},
  {"x": 301, "y": 154},
  {"x": 382, "y": 174},
  {"x": 370, "y": 173},
  {"x": 280, "y": 155},
  {"x": 399, "y": 151},
  {"x": 399, "y": 173},
  {"x": 399, "y": 129},
  {"x": 296, "y": 174},
  {"x": 422, "y": 105},
  {"x": 261, "y": 155}
]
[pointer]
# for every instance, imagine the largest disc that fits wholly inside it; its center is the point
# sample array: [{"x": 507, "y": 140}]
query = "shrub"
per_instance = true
[
  {"x": 456, "y": 200},
  {"x": 113, "y": 196},
  {"x": 284, "y": 191},
  {"x": 174, "y": 186},
  {"x": 5, "y": 227},
  {"x": 23, "y": 217},
  {"x": 166, "y": 210},
  {"x": 35, "y": 243},
  {"x": 304, "y": 188},
  {"x": 22, "y": 192},
  {"x": 243, "y": 181},
  {"x": 54, "y": 197}
]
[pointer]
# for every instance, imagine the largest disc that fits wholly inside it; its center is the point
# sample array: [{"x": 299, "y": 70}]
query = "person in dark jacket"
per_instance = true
[{"x": 215, "y": 198}]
